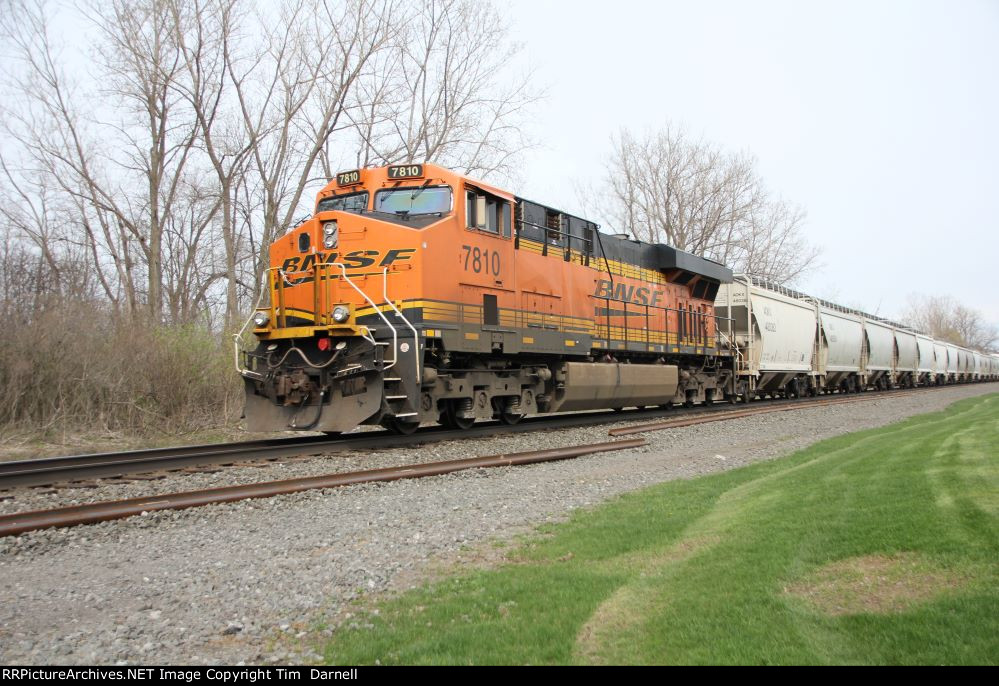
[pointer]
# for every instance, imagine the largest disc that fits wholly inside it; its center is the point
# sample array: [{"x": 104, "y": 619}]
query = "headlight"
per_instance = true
[
  {"x": 341, "y": 314},
  {"x": 329, "y": 235},
  {"x": 260, "y": 319}
]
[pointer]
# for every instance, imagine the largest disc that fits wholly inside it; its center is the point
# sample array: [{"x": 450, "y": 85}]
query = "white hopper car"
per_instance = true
[{"x": 789, "y": 344}]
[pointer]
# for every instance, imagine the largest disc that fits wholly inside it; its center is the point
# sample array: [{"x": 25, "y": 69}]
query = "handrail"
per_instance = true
[
  {"x": 734, "y": 346},
  {"x": 416, "y": 336},
  {"x": 548, "y": 229},
  {"x": 237, "y": 337},
  {"x": 395, "y": 334}
]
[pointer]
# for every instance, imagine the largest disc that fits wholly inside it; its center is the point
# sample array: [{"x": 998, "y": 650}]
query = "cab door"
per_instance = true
[{"x": 486, "y": 267}]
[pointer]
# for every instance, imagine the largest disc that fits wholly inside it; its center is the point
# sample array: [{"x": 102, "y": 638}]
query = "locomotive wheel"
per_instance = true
[
  {"x": 452, "y": 420},
  {"x": 400, "y": 426},
  {"x": 510, "y": 418}
]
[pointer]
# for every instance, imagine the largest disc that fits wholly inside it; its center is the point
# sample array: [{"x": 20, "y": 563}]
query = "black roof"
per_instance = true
[{"x": 660, "y": 257}]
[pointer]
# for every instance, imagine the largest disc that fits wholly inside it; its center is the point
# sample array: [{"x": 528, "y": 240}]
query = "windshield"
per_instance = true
[
  {"x": 418, "y": 200},
  {"x": 355, "y": 202}
]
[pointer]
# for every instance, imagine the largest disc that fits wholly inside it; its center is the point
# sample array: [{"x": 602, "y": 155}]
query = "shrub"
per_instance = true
[{"x": 75, "y": 365}]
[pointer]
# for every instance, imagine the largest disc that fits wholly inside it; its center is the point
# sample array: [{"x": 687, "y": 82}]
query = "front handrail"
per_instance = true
[
  {"x": 416, "y": 336},
  {"x": 238, "y": 337},
  {"x": 395, "y": 333}
]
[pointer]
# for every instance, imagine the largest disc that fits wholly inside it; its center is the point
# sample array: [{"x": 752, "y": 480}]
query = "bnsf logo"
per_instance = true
[
  {"x": 629, "y": 294},
  {"x": 352, "y": 260}
]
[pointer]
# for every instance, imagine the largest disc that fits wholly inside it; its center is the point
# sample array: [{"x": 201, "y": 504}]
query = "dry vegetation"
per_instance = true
[{"x": 73, "y": 364}]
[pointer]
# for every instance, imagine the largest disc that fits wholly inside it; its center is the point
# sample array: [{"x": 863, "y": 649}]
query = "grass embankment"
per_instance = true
[{"x": 875, "y": 547}]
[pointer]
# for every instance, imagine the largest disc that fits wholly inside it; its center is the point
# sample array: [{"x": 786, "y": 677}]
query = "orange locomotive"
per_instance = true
[{"x": 415, "y": 294}]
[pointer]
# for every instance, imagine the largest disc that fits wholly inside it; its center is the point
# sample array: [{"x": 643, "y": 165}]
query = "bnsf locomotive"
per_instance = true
[{"x": 417, "y": 295}]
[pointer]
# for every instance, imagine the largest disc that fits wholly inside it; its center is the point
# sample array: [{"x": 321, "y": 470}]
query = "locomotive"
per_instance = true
[{"x": 415, "y": 294}]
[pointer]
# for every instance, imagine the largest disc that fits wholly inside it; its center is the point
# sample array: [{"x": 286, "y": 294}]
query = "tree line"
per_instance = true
[
  {"x": 152, "y": 167},
  {"x": 148, "y": 163}
]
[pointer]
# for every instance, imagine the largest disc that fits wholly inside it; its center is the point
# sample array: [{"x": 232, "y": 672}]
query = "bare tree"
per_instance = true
[
  {"x": 442, "y": 92},
  {"x": 204, "y": 31},
  {"x": 293, "y": 93},
  {"x": 667, "y": 187},
  {"x": 124, "y": 170},
  {"x": 199, "y": 127},
  {"x": 771, "y": 243},
  {"x": 945, "y": 318}
]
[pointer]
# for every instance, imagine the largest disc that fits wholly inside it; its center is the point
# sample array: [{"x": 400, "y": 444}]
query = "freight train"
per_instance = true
[{"x": 415, "y": 294}]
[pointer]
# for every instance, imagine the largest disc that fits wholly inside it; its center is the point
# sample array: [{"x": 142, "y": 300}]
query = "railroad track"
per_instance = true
[
  {"x": 83, "y": 469},
  {"x": 104, "y": 511},
  {"x": 11, "y": 525},
  {"x": 78, "y": 471}
]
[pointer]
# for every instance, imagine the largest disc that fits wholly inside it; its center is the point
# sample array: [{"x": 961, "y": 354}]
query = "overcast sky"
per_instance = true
[{"x": 881, "y": 118}]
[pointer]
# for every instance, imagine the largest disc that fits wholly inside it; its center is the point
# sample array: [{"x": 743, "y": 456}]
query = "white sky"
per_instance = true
[{"x": 881, "y": 118}]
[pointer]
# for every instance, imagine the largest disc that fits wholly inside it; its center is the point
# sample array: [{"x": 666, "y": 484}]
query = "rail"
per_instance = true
[
  {"x": 691, "y": 330},
  {"x": 378, "y": 311},
  {"x": 416, "y": 335},
  {"x": 544, "y": 240}
]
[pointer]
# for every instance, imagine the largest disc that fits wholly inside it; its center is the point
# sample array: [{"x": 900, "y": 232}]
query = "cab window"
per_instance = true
[
  {"x": 354, "y": 202},
  {"x": 414, "y": 200}
]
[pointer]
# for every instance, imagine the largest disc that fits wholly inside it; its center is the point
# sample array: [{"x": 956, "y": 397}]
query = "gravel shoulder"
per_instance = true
[{"x": 231, "y": 583}]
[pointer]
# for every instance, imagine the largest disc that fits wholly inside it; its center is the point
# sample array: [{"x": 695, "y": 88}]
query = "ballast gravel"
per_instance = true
[{"x": 231, "y": 583}]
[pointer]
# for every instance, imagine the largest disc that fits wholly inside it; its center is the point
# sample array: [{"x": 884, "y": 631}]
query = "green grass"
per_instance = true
[{"x": 875, "y": 547}]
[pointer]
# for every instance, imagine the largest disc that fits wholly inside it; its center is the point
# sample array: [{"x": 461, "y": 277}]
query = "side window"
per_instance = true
[
  {"x": 486, "y": 212},
  {"x": 470, "y": 209},
  {"x": 554, "y": 232}
]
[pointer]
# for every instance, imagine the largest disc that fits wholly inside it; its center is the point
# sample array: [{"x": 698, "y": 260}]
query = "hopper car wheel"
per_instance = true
[
  {"x": 792, "y": 390},
  {"x": 742, "y": 393},
  {"x": 400, "y": 426}
]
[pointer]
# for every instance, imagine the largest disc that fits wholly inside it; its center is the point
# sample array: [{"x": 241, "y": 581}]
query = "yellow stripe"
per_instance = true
[
  {"x": 447, "y": 311},
  {"x": 615, "y": 267}
]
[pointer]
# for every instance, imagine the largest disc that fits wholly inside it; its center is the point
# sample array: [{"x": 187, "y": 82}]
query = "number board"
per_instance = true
[
  {"x": 405, "y": 171},
  {"x": 348, "y": 178}
]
